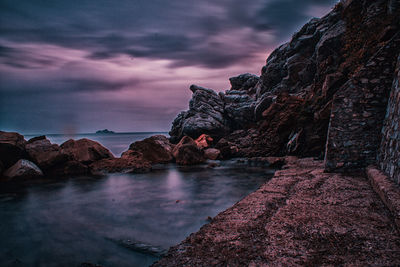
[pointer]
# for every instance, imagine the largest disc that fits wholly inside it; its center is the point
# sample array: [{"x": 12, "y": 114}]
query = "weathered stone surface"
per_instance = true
[
  {"x": 211, "y": 153},
  {"x": 186, "y": 152},
  {"x": 85, "y": 151},
  {"x": 205, "y": 115},
  {"x": 358, "y": 111},
  {"x": 244, "y": 81},
  {"x": 12, "y": 148},
  {"x": 301, "y": 217},
  {"x": 43, "y": 153},
  {"x": 204, "y": 141},
  {"x": 389, "y": 152},
  {"x": 123, "y": 165},
  {"x": 387, "y": 190},
  {"x": 227, "y": 149},
  {"x": 156, "y": 149},
  {"x": 23, "y": 169}
]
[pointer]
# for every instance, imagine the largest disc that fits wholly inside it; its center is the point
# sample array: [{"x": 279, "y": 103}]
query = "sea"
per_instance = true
[{"x": 117, "y": 219}]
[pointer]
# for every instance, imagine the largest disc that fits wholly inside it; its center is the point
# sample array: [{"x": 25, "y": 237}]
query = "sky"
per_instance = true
[{"x": 77, "y": 66}]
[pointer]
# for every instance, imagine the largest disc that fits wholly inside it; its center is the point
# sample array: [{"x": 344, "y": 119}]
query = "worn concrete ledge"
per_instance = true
[
  {"x": 387, "y": 190},
  {"x": 301, "y": 217}
]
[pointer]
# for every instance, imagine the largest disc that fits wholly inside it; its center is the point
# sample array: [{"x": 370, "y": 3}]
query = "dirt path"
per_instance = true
[{"x": 301, "y": 217}]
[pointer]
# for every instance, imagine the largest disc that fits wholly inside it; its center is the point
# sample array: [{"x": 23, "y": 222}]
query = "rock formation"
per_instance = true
[
  {"x": 45, "y": 154},
  {"x": 85, "y": 151},
  {"x": 12, "y": 148},
  {"x": 186, "y": 152},
  {"x": 23, "y": 169},
  {"x": 335, "y": 73},
  {"x": 155, "y": 149}
]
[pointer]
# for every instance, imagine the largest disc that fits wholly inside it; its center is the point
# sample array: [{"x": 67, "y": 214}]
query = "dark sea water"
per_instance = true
[{"x": 119, "y": 219}]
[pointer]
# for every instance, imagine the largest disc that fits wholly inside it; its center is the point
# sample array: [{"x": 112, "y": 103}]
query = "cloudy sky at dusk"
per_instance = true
[{"x": 84, "y": 65}]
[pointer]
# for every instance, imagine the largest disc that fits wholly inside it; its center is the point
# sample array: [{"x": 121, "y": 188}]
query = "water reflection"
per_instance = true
[{"x": 102, "y": 220}]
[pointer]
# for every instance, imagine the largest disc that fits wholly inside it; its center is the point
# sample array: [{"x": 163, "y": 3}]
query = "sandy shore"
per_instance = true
[{"x": 302, "y": 216}]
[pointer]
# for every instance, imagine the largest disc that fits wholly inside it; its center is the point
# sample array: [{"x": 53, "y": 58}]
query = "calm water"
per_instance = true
[
  {"x": 116, "y": 220},
  {"x": 116, "y": 143}
]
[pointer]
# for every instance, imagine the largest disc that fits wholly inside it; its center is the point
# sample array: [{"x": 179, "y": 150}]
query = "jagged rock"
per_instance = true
[
  {"x": 211, "y": 153},
  {"x": 85, "y": 151},
  {"x": 156, "y": 149},
  {"x": 12, "y": 148},
  {"x": 205, "y": 115},
  {"x": 124, "y": 165},
  {"x": 243, "y": 81},
  {"x": 43, "y": 153},
  {"x": 227, "y": 149},
  {"x": 186, "y": 152},
  {"x": 204, "y": 141},
  {"x": 23, "y": 169}
]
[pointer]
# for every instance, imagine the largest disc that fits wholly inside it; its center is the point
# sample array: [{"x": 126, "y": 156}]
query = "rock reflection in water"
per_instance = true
[{"x": 118, "y": 220}]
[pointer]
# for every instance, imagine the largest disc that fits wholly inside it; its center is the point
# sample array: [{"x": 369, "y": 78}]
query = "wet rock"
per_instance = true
[
  {"x": 155, "y": 149},
  {"x": 85, "y": 151},
  {"x": 227, "y": 149},
  {"x": 23, "y": 169},
  {"x": 212, "y": 153},
  {"x": 12, "y": 148},
  {"x": 121, "y": 165},
  {"x": 204, "y": 141},
  {"x": 205, "y": 115},
  {"x": 45, "y": 154},
  {"x": 186, "y": 152},
  {"x": 69, "y": 168}
]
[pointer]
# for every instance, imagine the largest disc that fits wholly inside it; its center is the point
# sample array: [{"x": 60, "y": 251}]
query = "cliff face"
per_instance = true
[{"x": 288, "y": 109}]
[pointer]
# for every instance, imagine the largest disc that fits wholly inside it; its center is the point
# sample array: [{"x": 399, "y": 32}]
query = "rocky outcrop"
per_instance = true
[
  {"x": 85, "y": 151},
  {"x": 45, "y": 154},
  {"x": 23, "y": 169},
  {"x": 186, "y": 152},
  {"x": 12, "y": 148},
  {"x": 287, "y": 110},
  {"x": 205, "y": 115},
  {"x": 155, "y": 149}
]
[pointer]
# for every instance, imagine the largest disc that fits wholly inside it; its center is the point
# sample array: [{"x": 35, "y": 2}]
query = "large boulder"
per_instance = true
[
  {"x": 155, "y": 149},
  {"x": 23, "y": 169},
  {"x": 12, "y": 148},
  {"x": 186, "y": 152},
  {"x": 69, "y": 168},
  {"x": 205, "y": 115},
  {"x": 85, "y": 151},
  {"x": 43, "y": 153}
]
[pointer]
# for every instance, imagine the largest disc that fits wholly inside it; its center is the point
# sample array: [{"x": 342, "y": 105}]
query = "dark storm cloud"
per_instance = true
[
  {"x": 151, "y": 29},
  {"x": 91, "y": 63}
]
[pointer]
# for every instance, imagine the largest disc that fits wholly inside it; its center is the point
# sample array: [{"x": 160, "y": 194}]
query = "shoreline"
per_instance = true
[{"x": 302, "y": 216}]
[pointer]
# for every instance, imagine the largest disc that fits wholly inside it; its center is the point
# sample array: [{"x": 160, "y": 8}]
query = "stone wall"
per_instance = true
[
  {"x": 389, "y": 153},
  {"x": 358, "y": 112}
]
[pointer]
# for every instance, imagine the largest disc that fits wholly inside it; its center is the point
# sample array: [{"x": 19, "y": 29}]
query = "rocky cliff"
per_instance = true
[{"x": 335, "y": 73}]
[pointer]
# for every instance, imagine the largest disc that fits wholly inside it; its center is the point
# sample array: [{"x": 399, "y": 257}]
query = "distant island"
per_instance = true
[{"x": 105, "y": 131}]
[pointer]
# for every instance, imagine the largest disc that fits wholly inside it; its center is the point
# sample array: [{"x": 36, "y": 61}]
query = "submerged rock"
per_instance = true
[
  {"x": 85, "y": 151},
  {"x": 12, "y": 148},
  {"x": 121, "y": 165},
  {"x": 23, "y": 169},
  {"x": 155, "y": 149},
  {"x": 45, "y": 154}
]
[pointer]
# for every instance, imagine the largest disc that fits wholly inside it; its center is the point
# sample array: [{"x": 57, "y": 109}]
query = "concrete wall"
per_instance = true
[
  {"x": 389, "y": 152},
  {"x": 358, "y": 112}
]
